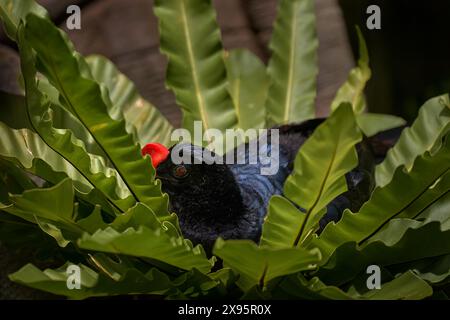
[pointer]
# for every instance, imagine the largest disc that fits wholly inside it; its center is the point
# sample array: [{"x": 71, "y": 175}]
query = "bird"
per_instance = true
[{"x": 215, "y": 199}]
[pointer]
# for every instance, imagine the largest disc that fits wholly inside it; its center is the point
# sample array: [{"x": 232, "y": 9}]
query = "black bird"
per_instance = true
[{"x": 230, "y": 201}]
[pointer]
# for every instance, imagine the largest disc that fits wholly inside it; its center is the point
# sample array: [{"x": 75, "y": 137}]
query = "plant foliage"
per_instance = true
[{"x": 72, "y": 172}]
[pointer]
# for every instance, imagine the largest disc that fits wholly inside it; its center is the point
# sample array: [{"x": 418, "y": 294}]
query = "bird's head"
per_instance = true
[{"x": 204, "y": 195}]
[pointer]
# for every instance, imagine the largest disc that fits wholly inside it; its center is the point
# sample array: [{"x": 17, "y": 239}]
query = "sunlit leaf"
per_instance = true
[
  {"x": 141, "y": 117},
  {"x": 318, "y": 177},
  {"x": 353, "y": 89},
  {"x": 258, "y": 265},
  {"x": 83, "y": 96},
  {"x": 248, "y": 86},
  {"x": 293, "y": 66},
  {"x": 373, "y": 123},
  {"x": 386, "y": 203},
  {"x": 151, "y": 240},
  {"x": 432, "y": 123},
  {"x": 12, "y": 11},
  {"x": 190, "y": 38}
]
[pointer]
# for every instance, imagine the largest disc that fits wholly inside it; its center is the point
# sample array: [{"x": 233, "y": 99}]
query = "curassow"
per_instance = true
[{"x": 230, "y": 200}]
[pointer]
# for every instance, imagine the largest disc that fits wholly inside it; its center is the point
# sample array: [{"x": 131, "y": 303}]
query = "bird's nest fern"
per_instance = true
[{"x": 72, "y": 170}]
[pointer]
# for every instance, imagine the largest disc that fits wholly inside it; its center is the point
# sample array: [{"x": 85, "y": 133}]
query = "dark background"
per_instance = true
[{"x": 410, "y": 55}]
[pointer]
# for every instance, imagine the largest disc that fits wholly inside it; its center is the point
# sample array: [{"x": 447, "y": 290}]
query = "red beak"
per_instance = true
[{"x": 157, "y": 152}]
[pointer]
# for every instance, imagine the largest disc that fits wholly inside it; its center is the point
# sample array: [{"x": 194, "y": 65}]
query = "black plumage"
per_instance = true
[{"x": 230, "y": 200}]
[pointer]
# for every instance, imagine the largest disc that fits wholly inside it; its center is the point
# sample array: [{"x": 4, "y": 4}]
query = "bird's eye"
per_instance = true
[{"x": 180, "y": 172}]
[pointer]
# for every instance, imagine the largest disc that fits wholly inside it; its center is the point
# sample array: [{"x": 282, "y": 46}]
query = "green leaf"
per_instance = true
[
  {"x": 407, "y": 286},
  {"x": 432, "y": 205},
  {"x": 13, "y": 11},
  {"x": 151, "y": 240},
  {"x": 432, "y": 123},
  {"x": 298, "y": 287},
  {"x": 386, "y": 202},
  {"x": 64, "y": 143},
  {"x": 281, "y": 225},
  {"x": 25, "y": 149},
  {"x": 83, "y": 96},
  {"x": 140, "y": 216},
  {"x": 434, "y": 270},
  {"x": 64, "y": 118},
  {"x": 93, "y": 222},
  {"x": 293, "y": 67},
  {"x": 53, "y": 210},
  {"x": 93, "y": 284},
  {"x": 58, "y": 218},
  {"x": 401, "y": 241},
  {"x": 248, "y": 84},
  {"x": 318, "y": 178},
  {"x": 50, "y": 208},
  {"x": 353, "y": 89},
  {"x": 373, "y": 123},
  {"x": 405, "y": 237},
  {"x": 192, "y": 285},
  {"x": 226, "y": 280},
  {"x": 190, "y": 37},
  {"x": 14, "y": 114},
  {"x": 115, "y": 278},
  {"x": 439, "y": 208},
  {"x": 258, "y": 265},
  {"x": 141, "y": 117}
]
